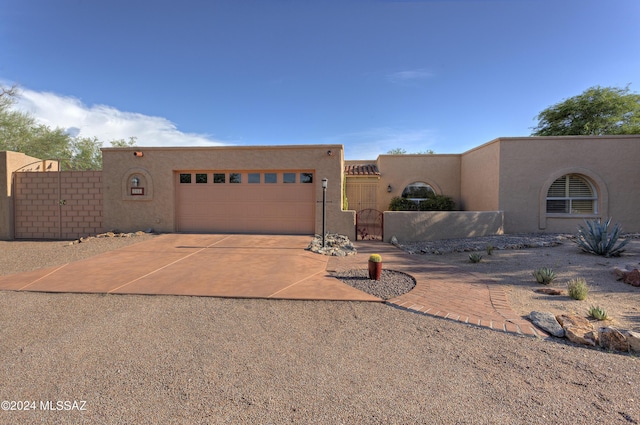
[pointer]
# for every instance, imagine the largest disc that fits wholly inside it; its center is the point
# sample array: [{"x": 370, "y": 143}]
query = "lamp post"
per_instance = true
[{"x": 324, "y": 209}]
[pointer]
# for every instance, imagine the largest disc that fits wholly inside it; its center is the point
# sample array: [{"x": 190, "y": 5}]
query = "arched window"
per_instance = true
[
  {"x": 572, "y": 194},
  {"x": 417, "y": 191}
]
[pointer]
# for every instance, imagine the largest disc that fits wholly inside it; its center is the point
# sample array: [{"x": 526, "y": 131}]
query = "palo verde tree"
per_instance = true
[
  {"x": 597, "y": 111},
  {"x": 20, "y": 132}
]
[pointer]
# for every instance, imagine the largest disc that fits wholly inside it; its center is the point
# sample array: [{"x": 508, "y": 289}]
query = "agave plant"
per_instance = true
[
  {"x": 599, "y": 239},
  {"x": 544, "y": 275},
  {"x": 598, "y": 313},
  {"x": 475, "y": 257}
]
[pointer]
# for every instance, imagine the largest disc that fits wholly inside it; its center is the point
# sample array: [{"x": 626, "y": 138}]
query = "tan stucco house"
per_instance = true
[{"x": 509, "y": 185}]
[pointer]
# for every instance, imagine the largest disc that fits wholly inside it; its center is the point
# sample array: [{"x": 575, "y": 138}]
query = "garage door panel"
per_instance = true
[{"x": 287, "y": 208}]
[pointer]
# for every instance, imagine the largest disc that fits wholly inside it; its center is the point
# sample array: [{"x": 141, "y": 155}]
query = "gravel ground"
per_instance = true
[
  {"x": 391, "y": 284},
  {"x": 161, "y": 359}
]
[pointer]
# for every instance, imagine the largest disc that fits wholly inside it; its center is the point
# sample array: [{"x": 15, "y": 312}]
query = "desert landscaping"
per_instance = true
[{"x": 208, "y": 360}]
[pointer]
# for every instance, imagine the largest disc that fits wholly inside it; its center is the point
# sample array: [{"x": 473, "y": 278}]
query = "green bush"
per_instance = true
[
  {"x": 402, "y": 204},
  {"x": 599, "y": 239},
  {"x": 578, "y": 289},
  {"x": 433, "y": 202}
]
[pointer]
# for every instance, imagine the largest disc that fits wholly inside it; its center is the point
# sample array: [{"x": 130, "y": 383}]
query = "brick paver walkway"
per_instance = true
[{"x": 443, "y": 290}]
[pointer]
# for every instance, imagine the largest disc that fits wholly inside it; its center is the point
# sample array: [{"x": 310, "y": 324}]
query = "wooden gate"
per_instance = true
[{"x": 369, "y": 225}]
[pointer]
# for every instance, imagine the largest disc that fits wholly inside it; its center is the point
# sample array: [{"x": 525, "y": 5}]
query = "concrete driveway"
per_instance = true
[{"x": 243, "y": 266}]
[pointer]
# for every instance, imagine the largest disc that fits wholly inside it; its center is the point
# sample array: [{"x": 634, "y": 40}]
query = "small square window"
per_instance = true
[
  {"x": 289, "y": 177},
  {"x": 201, "y": 178},
  {"x": 219, "y": 177},
  {"x": 235, "y": 178},
  {"x": 306, "y": 177},
  {"x": 270, "y": 178},
  {"x": 254, "y": 178},
  {"x": 185, "y": 178}
]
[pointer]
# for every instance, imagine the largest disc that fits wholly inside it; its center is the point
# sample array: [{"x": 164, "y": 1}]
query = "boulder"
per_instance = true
[
  {"x": 633, "y": 338},
  {"x": 578, "y": 329},
  {"x": 547, "y": 322},
  {"x": 612, "y": 339},
  {"x": 630, "y": 277}
]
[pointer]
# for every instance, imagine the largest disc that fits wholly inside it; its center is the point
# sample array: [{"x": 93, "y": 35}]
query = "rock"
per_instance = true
[
  {"x": 547, "y": 322},
  {"x": 633, "y": 338},
  {"x": 612, "y": 339},
  {"x": 630, "y": 277},
  {"x": 394, "y": 241},
  {"x": 578, "y": 329},
  {"x": 335, "y": 245},
  {"x": 550, "y": 291}
]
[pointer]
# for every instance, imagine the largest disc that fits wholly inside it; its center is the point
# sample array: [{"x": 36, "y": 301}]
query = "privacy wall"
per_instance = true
[{"x": 57, "y": 205}]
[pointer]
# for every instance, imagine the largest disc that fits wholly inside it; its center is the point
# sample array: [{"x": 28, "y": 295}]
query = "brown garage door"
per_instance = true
[{"x": 279, "y": 202}]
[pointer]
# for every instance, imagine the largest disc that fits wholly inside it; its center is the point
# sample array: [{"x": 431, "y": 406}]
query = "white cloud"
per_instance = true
[
  {"x": 368, "y": 144},
  {"x": 105, "y": 122},
  {"x": 410, "y": 76}
]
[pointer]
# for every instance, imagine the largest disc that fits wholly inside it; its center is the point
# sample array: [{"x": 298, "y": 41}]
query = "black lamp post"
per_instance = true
[{"x": 324, "y": 209}]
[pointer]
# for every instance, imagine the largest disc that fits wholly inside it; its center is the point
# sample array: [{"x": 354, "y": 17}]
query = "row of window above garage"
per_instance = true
[{"x": 245, "y": 177}]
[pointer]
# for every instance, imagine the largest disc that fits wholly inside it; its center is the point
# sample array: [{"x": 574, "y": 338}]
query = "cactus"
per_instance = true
[{"x": 375, "y": 258}]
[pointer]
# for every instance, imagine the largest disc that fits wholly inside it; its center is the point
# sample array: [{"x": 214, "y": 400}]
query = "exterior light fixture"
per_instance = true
[
  {"x": 135, "y": 182},
  {"x": 138, "y": 154},
  {"x": 389, "y": 188},
  {"x": 329, "y": 153}
]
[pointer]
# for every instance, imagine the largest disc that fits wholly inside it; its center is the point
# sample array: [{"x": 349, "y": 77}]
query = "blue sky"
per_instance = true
[{"x": 372, "y": 75}]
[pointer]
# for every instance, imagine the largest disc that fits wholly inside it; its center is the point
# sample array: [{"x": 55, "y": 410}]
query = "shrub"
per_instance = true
[
  {"x": 578, "y": 289},
  {"x": 489, "y": 249},
  {"x": 598, "y": 313},
  {"x": 474, "y": 257},
  {"x": 599, "y": 239},
  {"x": 433, "y": 202},
  {"x": 544, "y": 275},
  {"x": 436, "y": 202},
  {"x": 375, "y": 258},
  {"x": 402, "y": 204}
]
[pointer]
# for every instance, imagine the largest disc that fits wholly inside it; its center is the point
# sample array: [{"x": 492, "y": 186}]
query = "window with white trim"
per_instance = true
[{"x": 572, "y": 194}]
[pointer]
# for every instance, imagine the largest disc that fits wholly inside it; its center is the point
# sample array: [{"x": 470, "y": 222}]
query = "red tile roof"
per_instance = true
[{"x": 361, "y": 170}]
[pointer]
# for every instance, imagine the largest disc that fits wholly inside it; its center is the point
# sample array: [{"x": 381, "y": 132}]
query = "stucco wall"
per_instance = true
[
  {"x": 442, "y": 172},
  {"x": 480, "y": 178},
  {"x": 409, "y": 226},
  {"x": 529, "y": 165},
  {"x": 158, "y": 165}
]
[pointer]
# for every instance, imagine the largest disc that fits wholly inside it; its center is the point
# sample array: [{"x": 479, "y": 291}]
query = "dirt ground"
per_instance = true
[
  {"x": 513, "y": 269},
  {"x": 166, "y": 359}
]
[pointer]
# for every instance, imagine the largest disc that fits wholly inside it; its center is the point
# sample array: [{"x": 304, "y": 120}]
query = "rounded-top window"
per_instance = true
[
  {"x": 417, "y": 191},
  {"x": 571, "y": 194}
]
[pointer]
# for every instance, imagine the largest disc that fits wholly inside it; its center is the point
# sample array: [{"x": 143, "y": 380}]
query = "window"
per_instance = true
[
  {"x": 201, "y": 178},
  {"x": 219, "y": 177},
  {"x": 235, "y": 178},
  {"x": 289, "y": 177},
  {"x": 306, "y": 177},
  {"x": 254, "y": 178},
  {"x": 185, "y": 178},
  {"x": 571, "y": 194},
  {"x": 270, "y": 178},
  {"x": 417, "y": 191}
]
